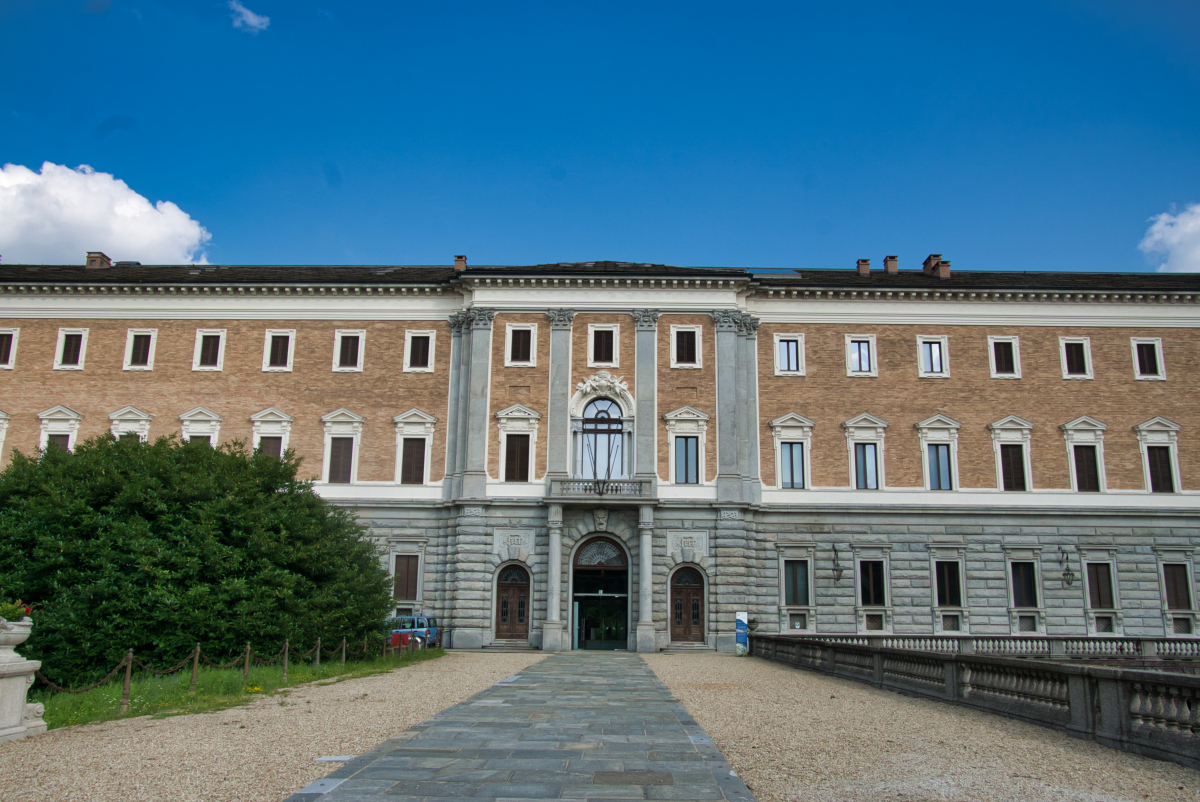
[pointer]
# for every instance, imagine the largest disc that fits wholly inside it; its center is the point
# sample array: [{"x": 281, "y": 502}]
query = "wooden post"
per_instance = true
[
  {"x": 195, "y": 668},
  {"x": 364, "y": 647},
  {"x": 125, "y": 689},
  {"x": 285, "y": 656},
  {"x": 246, "y": 665},
  {"x": 343, "y": 651},
  {"x": 317, "y": 659}
]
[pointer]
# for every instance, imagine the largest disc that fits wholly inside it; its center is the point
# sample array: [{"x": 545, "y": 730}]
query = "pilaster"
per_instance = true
[
  {"x": 454, "y": 412},
  {"x": 646, "y": 641},
  {"x": 552, "y": 629},
  {"x": 646, "y": 383},
  {"x": 559, "y": 418},
  {"x": 729, "y": 479},
  {"x": 479, "y": 355},
  {"x": 749, "y": 434}
]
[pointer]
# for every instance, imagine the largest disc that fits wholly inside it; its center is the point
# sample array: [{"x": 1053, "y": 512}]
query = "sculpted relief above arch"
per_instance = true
[{"x": 602, "y": 385}]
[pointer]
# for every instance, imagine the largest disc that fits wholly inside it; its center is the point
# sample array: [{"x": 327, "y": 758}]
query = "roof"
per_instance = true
[
  {"x": 605, "y": 267},
  {"x": 226, "y": 274},
  {"x": 983, "y": 280}
]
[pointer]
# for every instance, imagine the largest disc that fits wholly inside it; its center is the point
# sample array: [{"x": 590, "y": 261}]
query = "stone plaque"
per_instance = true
[
  {"x": 506, "y": 539},
  {"x": 694, "y": 541}
]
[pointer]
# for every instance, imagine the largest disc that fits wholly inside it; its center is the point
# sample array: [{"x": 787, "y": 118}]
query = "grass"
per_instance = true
[{"x": 216, "y": 689}]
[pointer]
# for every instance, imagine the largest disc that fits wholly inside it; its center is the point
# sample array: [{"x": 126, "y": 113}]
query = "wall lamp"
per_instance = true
[
  {"x": 837, "y": 565},
  {"x": 1068, "y": 575}
]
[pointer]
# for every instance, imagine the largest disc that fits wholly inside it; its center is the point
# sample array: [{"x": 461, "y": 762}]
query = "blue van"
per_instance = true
[{"x": 422, "y": 627}]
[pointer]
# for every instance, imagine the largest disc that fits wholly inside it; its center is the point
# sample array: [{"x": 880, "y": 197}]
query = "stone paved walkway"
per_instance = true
[{"x": 575, "y": 726}]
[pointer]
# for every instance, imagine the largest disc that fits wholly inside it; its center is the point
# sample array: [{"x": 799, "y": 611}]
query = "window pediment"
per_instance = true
[
  {"x": 271, "y": 415},
  {"x": 517, "y": 418},
  {"x": 414, "y": 421},
  {"x": 200, "y": 414},
  {"x": 59, "y": 412},
  {"x": 865, "y": 427},
  {"x": 792, "y": 425},
  {"x": 686, "y": 419}
]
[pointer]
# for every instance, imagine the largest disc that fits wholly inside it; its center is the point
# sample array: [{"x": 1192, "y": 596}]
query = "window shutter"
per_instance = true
[
  {"x": 795, "y": 582},
  {"x": 1024, "y": 591},
  {"x": 516, "y": 458},
  {"x": 1159, "y": 458},
  {"x": 1179, "y": 596},
  {"x": 271, "y": 445},
  {"x": 405, "y": 577},
  {"x": 6, "y": 348},
  {"x": 139, "y": 353},
  {"x": 871, "y": 583},
  {"x": 1087, "y": 469},
  {"x": 412, "y": 461},
  {"x": 201, "y": 438},
  {"x": 63, "y": 441},
  {"x": 418, "y": 352},
  {"x": 602, "y": 345},
  {"x": 522, "y": 345},
  {"x": 341, "y": 457},
  {"x": 1005, "y": 363},
  {"x": 685, "y": 347},
  {"x": 1076, "y": 361},
  {"x": 1012, "y": 466},
  {"x": 210, "y": 350},
  {"x": 279, "y": 351},
  {"x": 348, "y": 356},
  {"x": 949, "y": 587},
  {"x": 1147, "y": 359},
  {"x": 72, "y": 344},
  {"x": 1100, "y": 586}
]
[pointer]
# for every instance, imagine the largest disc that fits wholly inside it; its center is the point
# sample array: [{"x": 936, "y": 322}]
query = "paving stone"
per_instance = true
[{"x": 575, "y": 726}]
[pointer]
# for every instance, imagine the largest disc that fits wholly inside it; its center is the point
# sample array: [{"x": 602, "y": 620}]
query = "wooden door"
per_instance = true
[
  {"x": 512, "y": 604},
  {"x": 687, "y": 606}
]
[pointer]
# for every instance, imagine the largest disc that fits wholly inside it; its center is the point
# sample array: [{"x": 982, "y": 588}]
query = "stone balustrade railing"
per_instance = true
[
  {"x": 1027, "y": 646},
  {"x": 1146, "y": 712}
]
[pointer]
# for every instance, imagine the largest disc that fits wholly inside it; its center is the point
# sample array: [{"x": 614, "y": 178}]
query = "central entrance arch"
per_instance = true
[
  {"x": 600, "y": 596},
  {"x": 512, "y": 604}
]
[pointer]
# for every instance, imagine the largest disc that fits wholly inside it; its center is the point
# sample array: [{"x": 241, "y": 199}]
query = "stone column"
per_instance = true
[
  {"x": 645, "y": 421},
  {"x": 646, "y": 641},
  {"x": 729, "y": 480},
  {"x": 454, "y": 414},
  {"x": 479, "y": 355},
  {"x": 748, "y": 405},
  {"x": 552, "y": 629},
  {"x": 558, "y": 429}
]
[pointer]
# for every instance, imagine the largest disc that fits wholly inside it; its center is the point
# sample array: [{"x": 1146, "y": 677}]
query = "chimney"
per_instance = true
[
  {"x": 943, "y": 269},
  {"x": 460, "y": 263},
  {"x": 864, "y": 267},
  {"x": 891, "y": 265},
  {"x": 929, "y": 266},
  {"x": 97, "y": 260}
]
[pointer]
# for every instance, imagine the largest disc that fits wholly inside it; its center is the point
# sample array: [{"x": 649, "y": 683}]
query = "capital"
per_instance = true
[
  {"x": 560, "y": 318},
  {"x": 727, "y": 319},
  {"x": 481, "y": 317},
  {"x": 645, "y": 319},
  {"x": 457, "y": 321},
  {"x": 749, "y": 325}
]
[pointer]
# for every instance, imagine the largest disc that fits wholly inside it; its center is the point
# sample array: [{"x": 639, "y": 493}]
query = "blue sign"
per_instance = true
[{"x": 742, "y": 633}]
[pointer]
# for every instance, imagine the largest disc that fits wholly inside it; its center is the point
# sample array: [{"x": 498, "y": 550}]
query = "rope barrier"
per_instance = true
[
  {"x": 171, "y": 670},
  {"x": 61, "y": 689}
]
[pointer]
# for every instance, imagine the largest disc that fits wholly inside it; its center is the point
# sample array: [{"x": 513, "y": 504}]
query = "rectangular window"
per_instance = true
[
  {"x": 516, "y": 458},
  {"x": 939, "y": 467},
  {"x": 280, "y": 350},
  {"x": 866, "y": 466},
  {"x": 1179, "y": 591},
  {"x": 271, "y": 445},
  {"x": 139, "y": 351},
  {"x": 1076, "y": 357},
  {"x": 341, "y": 459},
  {"x": 348, "y": 351},
  {"x": 603, "y": 346},
  {"x": 63, "y": 441},
  {"x": 1161, "y": 478},
  {"x": 1004, "y": 354},
  {"x": 791, "y": 465},
  {"x": 412, "y": 461},
  {"x": 1024, "y": 583},
  {"x": 933, "y": 356},
  {"x": 71, "y": 351},
  {"x": 860, "y": 356},
  {"x": 871, "y": 583},
  {"x": 418, "y": 351},
  {"x": 789, "y": 354},
  {"x": 687, "y": 460},
  {"x": 795, "y": 582},
  {"x": 1100, "y": 589},
  {"x": 1147, "y": 358},
  {"x": 1087, "y": 469},
  {"x": 1005, "y": 362},
  {"x": 209, "y": 350},
  {"x": 685, "y": 347},
  {"x": 8, "y": 347},
  {"x": 949, "y": 583},
  {"x": 521, "y": 346},
  {"x": 206, "y": 439},
  {"x": 1012, "y": 466},
  {"x": 405, "y": 577}
]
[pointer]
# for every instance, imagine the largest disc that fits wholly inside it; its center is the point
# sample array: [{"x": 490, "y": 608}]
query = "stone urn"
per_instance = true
[{"x": 18, "y": 718}]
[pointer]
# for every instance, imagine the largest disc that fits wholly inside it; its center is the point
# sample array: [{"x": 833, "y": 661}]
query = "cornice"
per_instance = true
[
  {"x": 606, "y": 283},
  {"x": 231, "y": 290},
  {"x": 967, "y": 296}
]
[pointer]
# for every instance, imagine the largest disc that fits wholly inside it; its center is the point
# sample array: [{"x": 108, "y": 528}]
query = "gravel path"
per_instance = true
[
  {"x": 794, "y": 735},
  {"x": 263, "y": 751}
]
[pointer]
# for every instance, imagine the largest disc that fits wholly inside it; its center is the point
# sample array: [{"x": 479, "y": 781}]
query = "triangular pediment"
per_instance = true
[
  {"x": 4, "y": 415},
  {"x": 342, "y": 415},
  {"x": 1011, "y": 422},
  {"x": 518, "y": 411},
  {"x": 130, "y": 413},
  {"x": 1085, "y": 423},
  {"x": 271, "y": 414},
  {"x": 1157, "y": 424},
  {"x": 414, "y": 415},
  {"x": 58, "y": 411},
  {"x": 939, "y": 421},
  {"x": 866, "y": 419},
  {"x": 200, "y": 413},
  {"x": 687, "y": 413},
  {"x": 792, "y": 419}
]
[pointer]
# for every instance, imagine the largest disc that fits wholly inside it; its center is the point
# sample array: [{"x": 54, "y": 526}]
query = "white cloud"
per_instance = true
[
  {"x": 58, "y": 215},
  {"x": 1178, "y": 237},
  {"x": 246, "y": 20}
]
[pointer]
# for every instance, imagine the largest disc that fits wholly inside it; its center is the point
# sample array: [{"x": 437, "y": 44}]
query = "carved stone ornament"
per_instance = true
[
  {"x": 560, "y": 318},
  {"x": 645, "y": 319},
  {"x": 749, "y": 325},
  {"x": 601, "y": 518},
  {"x": 602, "y": 384},
  {"x": 473, "y": 512},
  {"x": 481, "y": 317},
  {"x": 457, "y": 321},
  {"x": 727, "y": 319}
]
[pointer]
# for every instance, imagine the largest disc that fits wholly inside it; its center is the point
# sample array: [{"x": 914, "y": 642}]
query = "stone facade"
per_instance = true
[{"x": 737, "y": 525}]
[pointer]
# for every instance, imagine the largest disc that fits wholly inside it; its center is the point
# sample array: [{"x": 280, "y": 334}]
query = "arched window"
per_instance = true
[{"x": 601, "y": 452}]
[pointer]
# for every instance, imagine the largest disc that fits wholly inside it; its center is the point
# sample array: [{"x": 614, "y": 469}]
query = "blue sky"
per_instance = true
[{"x": 1017, "y": 136}]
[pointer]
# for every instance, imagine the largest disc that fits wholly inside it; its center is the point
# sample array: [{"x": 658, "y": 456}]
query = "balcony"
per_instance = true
[{"x": 597, "y": 489}]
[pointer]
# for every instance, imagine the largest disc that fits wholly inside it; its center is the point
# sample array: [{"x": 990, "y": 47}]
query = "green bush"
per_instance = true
[{"x": 156, "y": 547}]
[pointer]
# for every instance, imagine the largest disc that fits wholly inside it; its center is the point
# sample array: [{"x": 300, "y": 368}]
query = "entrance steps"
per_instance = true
[
  {"x": 510, "y": 645},
  {"x": 689, "y": 648}
]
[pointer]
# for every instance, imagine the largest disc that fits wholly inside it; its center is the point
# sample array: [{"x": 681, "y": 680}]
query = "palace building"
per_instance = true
[{"x": 617, "y": 455}]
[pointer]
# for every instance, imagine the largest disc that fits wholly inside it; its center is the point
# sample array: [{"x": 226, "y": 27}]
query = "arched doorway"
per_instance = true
[
  {"x": 687, "y": 606},
  {"x": 600, "y": 596},
  {"x": 512, "y": 604}
]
